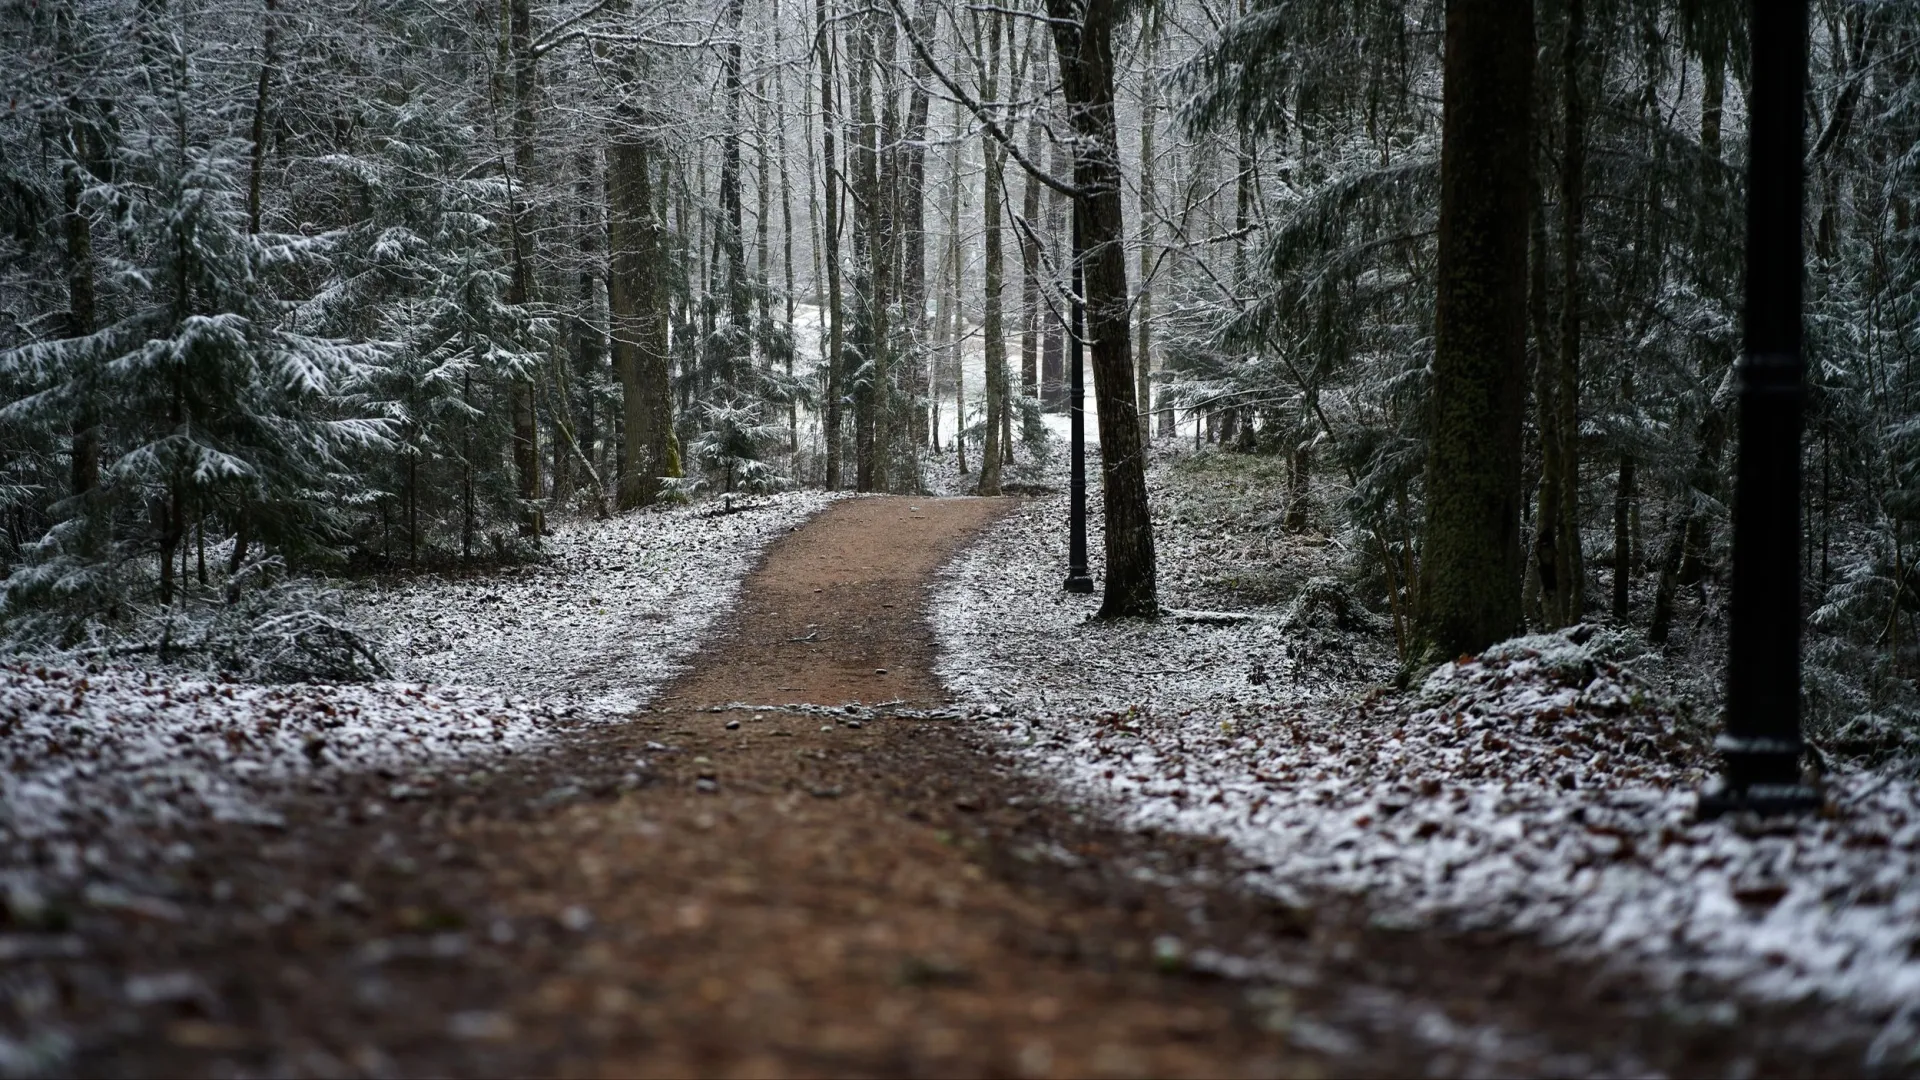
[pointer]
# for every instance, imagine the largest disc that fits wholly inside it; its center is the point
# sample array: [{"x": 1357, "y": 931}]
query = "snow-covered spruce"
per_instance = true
[
  {"x": 1537, "y": 787},
  {"x": 98, "y": 765}
]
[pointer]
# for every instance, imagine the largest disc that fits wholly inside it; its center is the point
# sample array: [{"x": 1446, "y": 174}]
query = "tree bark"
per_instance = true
[
  {"x": 993, "y": 333},
  {"x": 1573, "y": 184},
  {"x": 1470, "y": 571},
  {"x": 1549, "y": 566},
  {"x": 735, "y": 353},
  {"x": 526, "y": 433},
  {"x": 1143, "y": 307},
  {"x": 911, "y": 219},
  {"x": 1083, "y": 41},
  {"x": 786, "y": 245},
  {"x": 831, "y": 197},
  {"x": 637, "y": 319},
  {"x": 1029, "y": 237}
]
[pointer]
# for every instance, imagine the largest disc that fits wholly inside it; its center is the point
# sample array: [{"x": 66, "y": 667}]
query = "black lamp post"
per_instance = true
[
  {"x": 1761, "y": 747},
  {"x": 1078, "y": 580}
]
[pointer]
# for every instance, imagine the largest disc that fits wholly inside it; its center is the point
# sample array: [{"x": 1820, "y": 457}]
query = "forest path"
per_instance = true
[
  {"x": 751, "y": 879},
  {"x": 834, "y": 614},
  {"x": 804, "y": 892}
]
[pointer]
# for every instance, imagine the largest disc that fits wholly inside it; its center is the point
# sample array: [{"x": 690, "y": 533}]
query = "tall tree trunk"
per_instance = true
[
  {"x": 1549, "y": 566},
  {"x": 1572, "y": 238},
  {"x": 786, "y": 230},
  {"x": 1030, "y": 233},
  {"x": 993, "y": 333},
  {"x": 526, "y": 432},
  {"x": 1143, "y": 307},
  {"x": 589, "y": 341},
  {"x": 763, "y": 221},
  {"x": 863, "y": 152},
  {"x": 1083, "y": 40},
  {"x": 1623, "y": 540},
  {"x": 951, "y": 318},
  {"x": 1053, "y": 341},
  {"x": 734, "y": 353},
  {"x": 910, "y": 217},
  {"x": 637, "y": 317},
  {"x": 831, "y": 197},
  {"x": 1469, "y": 593},
  {"x": 956, "y": 336}
]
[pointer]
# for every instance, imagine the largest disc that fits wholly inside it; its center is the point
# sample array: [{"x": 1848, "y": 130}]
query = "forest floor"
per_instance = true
[{"x": 799, "y": 859}]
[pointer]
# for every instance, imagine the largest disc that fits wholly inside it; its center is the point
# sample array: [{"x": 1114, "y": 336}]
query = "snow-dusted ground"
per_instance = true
[
  {"x": 600, "y": 623},
  {"x": 1538, "y": 788},
  {"x": 96, "y": 765}
]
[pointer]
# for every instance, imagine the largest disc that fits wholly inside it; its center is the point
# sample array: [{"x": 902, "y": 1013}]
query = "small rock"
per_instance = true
[
  {"x": 733, "y": 725},
  {"x": 933, "y": 971},
  {"x": 203, "y": 1035},
  {"x": 853, "y": 724},
  {"x": 164, "y": 988},
  {"x": 564, "y": 793},
  {"x": 1168, "y": 953},
  {"x": 481, "y": 1026},
  {"x": 879, "y": 671},
  {"x": 113, "y": 898},
  {"x": 827, "y": 792},
  {"x": 576, "y": 918},
  {"x": 706, "y": 785}
]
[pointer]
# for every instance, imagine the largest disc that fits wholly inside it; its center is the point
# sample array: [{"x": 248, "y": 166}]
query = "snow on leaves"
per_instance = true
[
  {"x": 97, "y": 765},
  {"x": 1537, "y": 788},
  {"x": 603, "y": 621}
]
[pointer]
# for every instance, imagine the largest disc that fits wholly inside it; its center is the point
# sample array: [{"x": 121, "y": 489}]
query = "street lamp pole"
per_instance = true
[
  {"x": 1078, "y": 580},
  {"x": 1760, "y": 749}
]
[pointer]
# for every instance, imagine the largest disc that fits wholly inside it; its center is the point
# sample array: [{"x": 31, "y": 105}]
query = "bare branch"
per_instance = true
[{"x": 985, "y": 117}]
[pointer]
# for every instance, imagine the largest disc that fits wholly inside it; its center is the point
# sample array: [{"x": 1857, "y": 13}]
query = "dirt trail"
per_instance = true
[
  {"x": 834, "y": 615},
  {"x": 798, "y": 895},
  {"x": 763, "y": 892}
]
